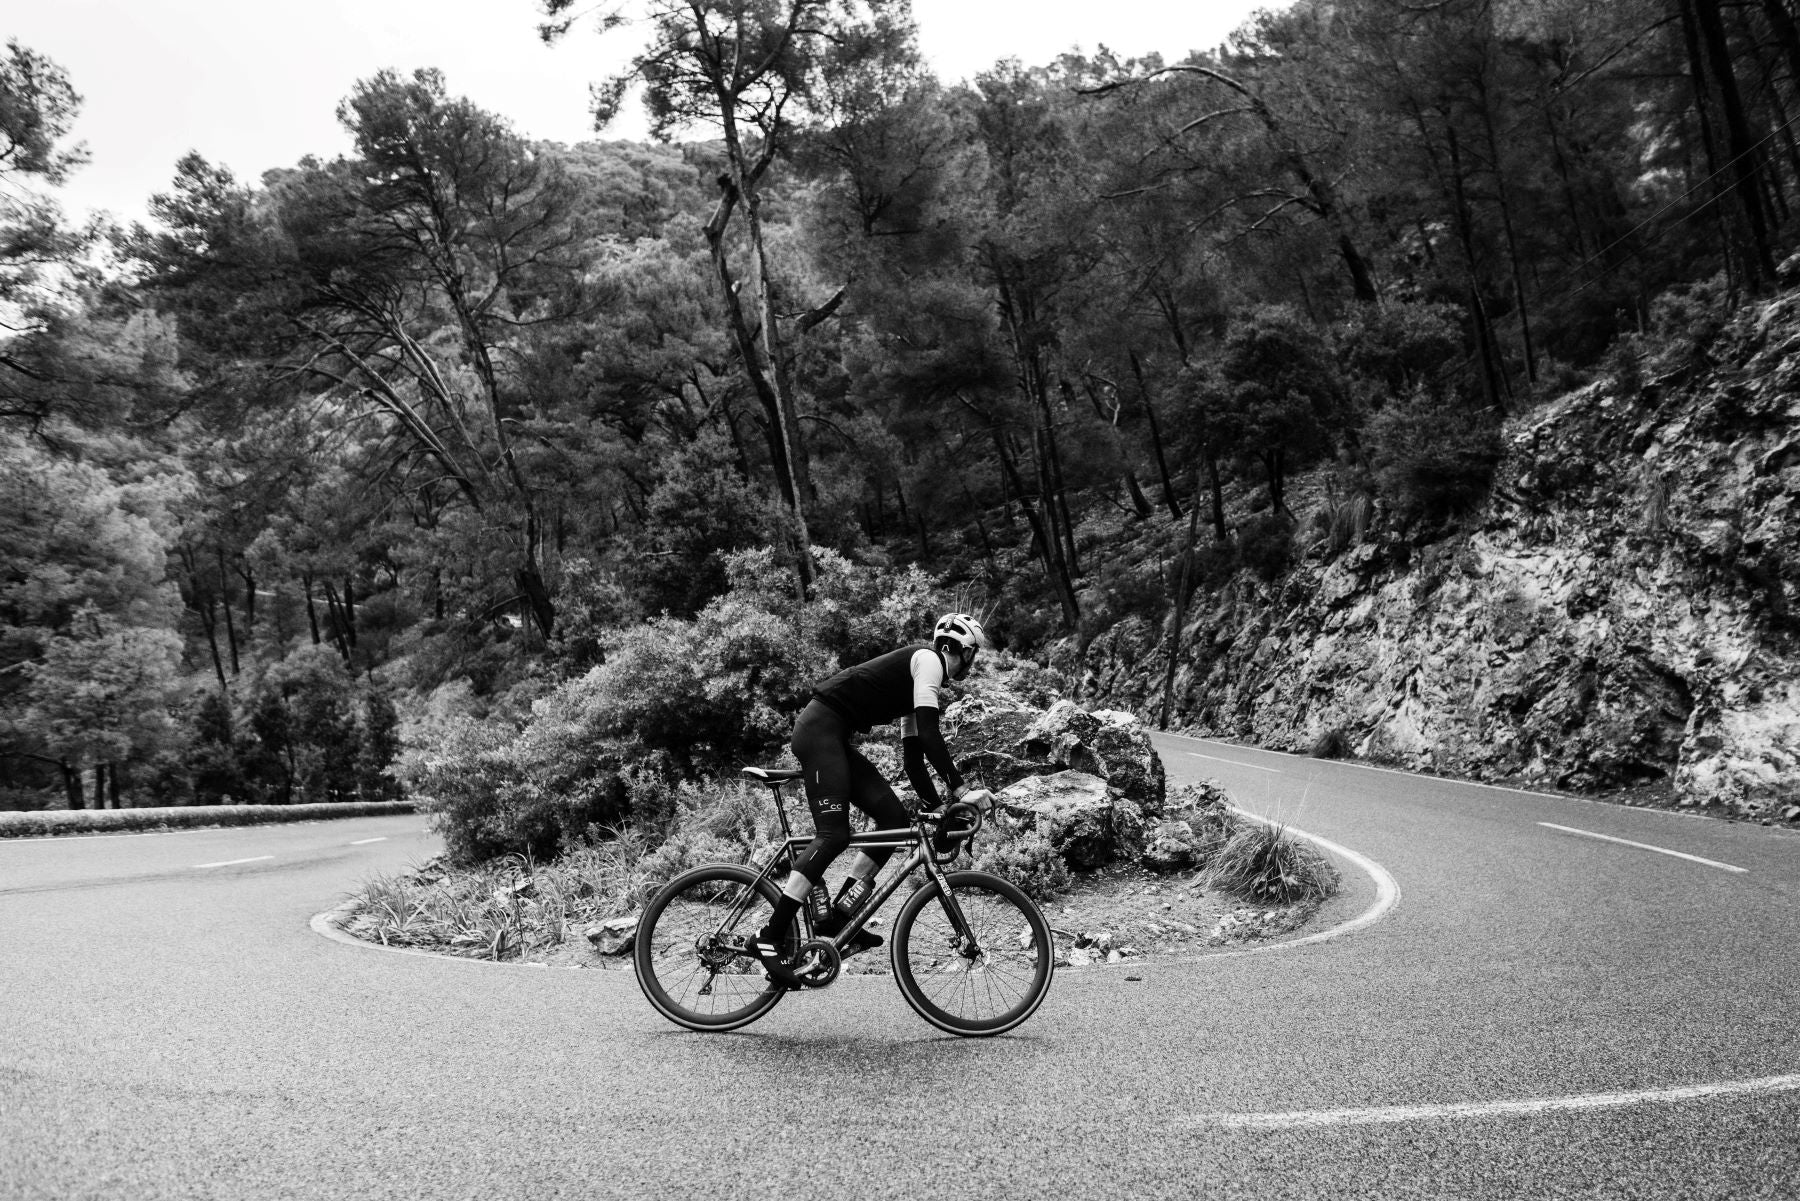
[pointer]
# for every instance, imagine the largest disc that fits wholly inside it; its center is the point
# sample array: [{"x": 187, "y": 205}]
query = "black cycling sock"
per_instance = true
[{"x": 786, "y": 910}]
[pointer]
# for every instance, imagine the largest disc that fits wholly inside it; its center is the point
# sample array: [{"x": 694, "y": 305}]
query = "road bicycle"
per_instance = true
[{"x": 970, "y": 951}]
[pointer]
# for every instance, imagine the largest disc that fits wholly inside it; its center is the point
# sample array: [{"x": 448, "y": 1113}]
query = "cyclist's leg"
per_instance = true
[
  {"x": 822, "y": 745},
  {"x": 871, "y": 793}
]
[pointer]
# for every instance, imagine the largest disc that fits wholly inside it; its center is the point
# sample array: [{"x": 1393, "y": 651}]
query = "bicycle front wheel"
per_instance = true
[
  {"x": 977, "y": 965},
  {"x": 690, "y": 956}
]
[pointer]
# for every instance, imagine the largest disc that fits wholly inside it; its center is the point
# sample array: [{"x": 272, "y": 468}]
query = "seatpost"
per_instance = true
[{"x": 781, "y": 810}]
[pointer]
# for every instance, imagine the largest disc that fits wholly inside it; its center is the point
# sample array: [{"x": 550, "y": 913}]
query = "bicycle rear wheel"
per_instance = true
[
  {"x": 689, "y": 955},
  {"x": 982, "y": 984}
]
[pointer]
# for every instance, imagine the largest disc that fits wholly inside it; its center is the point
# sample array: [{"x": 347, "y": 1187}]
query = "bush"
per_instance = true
[
  {"x": 1332, "y": 744},
  {"x": 88, "y": 821},
  {"x": 1264, "y": 863},
  {"x": 1433, "y": 459},
  {"x": 673, "y": 701},
  {"x": 1688, "y": 317},
  {"x": 496, "y": 790},
  {"x": 1265, "y": 545},
  {"x": 1396, "y": 346},
  {"x": 1025, "y": 857}
]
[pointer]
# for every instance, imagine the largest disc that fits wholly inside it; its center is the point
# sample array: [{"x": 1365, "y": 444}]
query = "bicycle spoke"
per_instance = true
[
  {"x": 994, "y": 988},
  {"x": 687, "y": 965}
]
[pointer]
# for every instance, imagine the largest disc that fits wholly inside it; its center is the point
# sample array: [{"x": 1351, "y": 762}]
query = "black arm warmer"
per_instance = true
[
  {"x": 929, "y": 745},
  {"x": 912, "y": 757}
]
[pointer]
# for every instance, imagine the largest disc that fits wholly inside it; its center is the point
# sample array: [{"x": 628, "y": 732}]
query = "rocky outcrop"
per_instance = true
[
  {"x": 1625, "y": 610},
  {"x": 998, "y": 738},
  {"x": 1088, "y": 822}
]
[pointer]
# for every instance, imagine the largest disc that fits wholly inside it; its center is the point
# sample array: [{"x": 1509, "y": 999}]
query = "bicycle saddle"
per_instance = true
[{"x": 773, "y": 775}]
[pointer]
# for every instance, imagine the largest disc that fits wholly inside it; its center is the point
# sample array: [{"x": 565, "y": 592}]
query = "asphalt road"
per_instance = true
[{"x": 1542, "y": 1013}]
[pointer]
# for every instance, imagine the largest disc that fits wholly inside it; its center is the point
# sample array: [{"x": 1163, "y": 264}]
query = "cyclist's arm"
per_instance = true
[{"x": 922, "y": 742}]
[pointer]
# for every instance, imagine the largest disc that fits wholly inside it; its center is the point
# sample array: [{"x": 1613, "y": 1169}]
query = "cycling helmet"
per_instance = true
[{"x": 961, "y": 630}]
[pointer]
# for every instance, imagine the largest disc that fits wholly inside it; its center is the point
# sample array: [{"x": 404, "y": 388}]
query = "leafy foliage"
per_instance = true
[
  {"x": 1433, "y": 459},
  {"x": 1025, "y": 857},
  {"x": 1265, "y": 863}
]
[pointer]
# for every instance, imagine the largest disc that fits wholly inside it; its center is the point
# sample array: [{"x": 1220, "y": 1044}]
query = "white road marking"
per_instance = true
[
  {"x": 230, "y": 862},
  {"x": 1387, "y": 895},
  {"x": 1644, "y": 846},
  {"x": 1234, "y": 762},
  {"x": 365, "y": 841},
  {"x": 1313, "y": 1118}
]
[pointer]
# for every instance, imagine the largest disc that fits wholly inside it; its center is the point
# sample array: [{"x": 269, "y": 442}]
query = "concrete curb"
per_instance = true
[{"x": 1387, "y": 895}]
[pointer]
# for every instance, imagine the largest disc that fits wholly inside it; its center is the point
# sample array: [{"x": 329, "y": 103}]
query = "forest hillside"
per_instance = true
[
  {"x": 1402, "y": 379},
  {"x": 1618, "y": 614}
]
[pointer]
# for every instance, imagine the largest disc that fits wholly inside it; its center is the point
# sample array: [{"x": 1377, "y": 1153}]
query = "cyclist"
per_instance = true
[{"x": 906, "y": 685}]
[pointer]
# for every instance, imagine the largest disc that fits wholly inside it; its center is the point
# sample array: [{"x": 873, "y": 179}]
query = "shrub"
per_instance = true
[
  {"x": 1331, "y": 744},
  {"x": 673, "y": 701},
  {"x": 1265, "y": 545},
  {"x": 1396, "y": 346},
  {"x": 1025, "y": 857},
  {"x": 498, "y": 791},
  {"x": 1624, "y": 362},
  {"x": 1688, "y": 317},
  {"x": 1432, "y": 458},
  {"x": 88, "y": 821},
  {"x": 1265, "y": 863}
]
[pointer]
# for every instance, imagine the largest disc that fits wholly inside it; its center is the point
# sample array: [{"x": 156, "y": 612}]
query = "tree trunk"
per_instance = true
[
  {"x": 72, "y": 785},
  {"x": 312, "y": 611},
  {"x": 249, "y": 578},
  {"x": 1746, "y": 160},
  {"x": 1047, "y": 547},
  {"x": 1140, "y": 503},
  {"x": 1739, "y": 143},
  {"x": 1178, "y": 614},
  {"x": 203, "y": 606},
  {"x": 1218, "y": 496},
  {"x": 230, "y": 621},
  {"x": 1061, "y": 485},
  {"x": 1156, "y": 442},
  {"x": 753, "y": 347},
  {"x": 1512, "y": 241},
  {"x": 1493, "y": 369},
  {"x": 350, "y": 611},
  {"x": 335, "y": 611}
]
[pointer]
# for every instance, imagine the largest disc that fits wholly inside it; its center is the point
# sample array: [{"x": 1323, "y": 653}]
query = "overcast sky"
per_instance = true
[{"x": 254, "y": 84}]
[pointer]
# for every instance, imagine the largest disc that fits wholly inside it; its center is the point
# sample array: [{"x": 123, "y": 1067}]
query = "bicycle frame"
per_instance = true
[{"x": 914, "y": 837}]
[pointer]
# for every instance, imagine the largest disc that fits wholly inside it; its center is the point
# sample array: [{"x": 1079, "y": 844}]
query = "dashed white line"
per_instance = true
[
  {"x": 1313, "y": 1118},
  {"x": 365, "y": 841},
  {"x": 231, "y": 862},
  {"x": 1235, "y": 763},
  {"x": 1644, "y": 846}
]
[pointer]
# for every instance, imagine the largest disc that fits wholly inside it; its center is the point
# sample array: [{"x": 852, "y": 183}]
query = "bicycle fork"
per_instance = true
[{"x": 966, "y": 946}]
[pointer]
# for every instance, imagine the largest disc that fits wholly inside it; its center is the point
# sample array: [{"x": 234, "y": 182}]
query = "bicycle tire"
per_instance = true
[
  {"x": 959, "y": 995},
  {"x": 668, "y": 957}
]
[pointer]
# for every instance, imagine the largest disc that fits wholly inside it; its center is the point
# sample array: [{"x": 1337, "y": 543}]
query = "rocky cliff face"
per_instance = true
[{"x": 1621, "y": 612}]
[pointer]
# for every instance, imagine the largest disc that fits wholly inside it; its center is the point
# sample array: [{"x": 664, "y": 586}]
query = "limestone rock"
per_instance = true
[
  {"x": 998, "y": 737},
  {"x": 1088, "y": 823},
  {"x": 1107, "y": 743},
  {"x": 1173, "y": 847},
  {"x": 614, "y": 936}
]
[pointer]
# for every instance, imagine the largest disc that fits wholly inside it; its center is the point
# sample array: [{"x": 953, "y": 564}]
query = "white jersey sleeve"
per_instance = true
[{"x": 928, "y": 688}]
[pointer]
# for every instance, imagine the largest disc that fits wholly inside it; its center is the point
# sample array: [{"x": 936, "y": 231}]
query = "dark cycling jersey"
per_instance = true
[{"x": 887, "y": 688}]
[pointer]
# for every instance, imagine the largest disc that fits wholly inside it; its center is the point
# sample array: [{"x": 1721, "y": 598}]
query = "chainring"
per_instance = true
[{"x": 818, "y": 963}]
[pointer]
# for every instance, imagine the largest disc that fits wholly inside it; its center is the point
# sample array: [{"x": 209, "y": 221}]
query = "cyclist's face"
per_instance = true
[{"x": 967, "y": 659}]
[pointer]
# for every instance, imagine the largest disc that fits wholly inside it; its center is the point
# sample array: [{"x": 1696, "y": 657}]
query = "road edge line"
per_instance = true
[{"x": 1387, "y": 891}]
